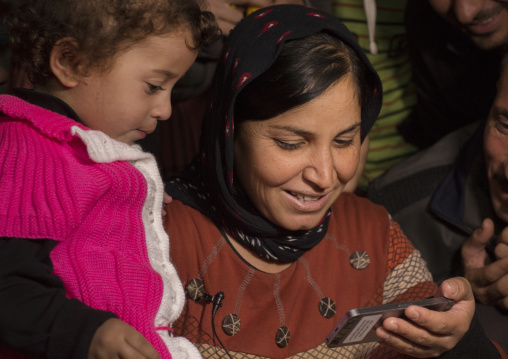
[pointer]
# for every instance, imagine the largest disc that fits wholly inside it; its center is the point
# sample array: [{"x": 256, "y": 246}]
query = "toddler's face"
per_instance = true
[{"x": 127, "y": 101}]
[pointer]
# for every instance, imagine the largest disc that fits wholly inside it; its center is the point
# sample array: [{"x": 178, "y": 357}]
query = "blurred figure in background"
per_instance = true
[
  {"x": 379, "y": 29},
  {"x": 4, "y": 49},
  {"x": 451, "y": 200},
  {"x": 456, "y": 49}
]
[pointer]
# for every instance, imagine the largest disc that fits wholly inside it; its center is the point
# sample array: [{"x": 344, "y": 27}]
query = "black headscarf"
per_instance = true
[{"x": 250, "y": 50}]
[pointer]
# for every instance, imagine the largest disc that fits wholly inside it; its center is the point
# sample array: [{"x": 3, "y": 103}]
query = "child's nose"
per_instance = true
[{"x": 163, "y": 110}]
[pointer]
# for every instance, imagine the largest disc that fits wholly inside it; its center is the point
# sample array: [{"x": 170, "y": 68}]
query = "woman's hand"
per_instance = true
[
  {"x": 429, "y": 333},
  {"x": 117, "y": 339}
]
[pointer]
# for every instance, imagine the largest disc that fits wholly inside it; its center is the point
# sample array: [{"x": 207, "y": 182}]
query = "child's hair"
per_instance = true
[{"x": 101, "y": 28}]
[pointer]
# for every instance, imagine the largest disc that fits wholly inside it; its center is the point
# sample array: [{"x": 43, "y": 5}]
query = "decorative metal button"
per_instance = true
[
  {"x": 195, "y": 289},
  {"x": 231, "y": 324},
  {"x": 282, "y": 337},
  {"x": 359, "y": 260},
  {"x": 327, "y": 307}
]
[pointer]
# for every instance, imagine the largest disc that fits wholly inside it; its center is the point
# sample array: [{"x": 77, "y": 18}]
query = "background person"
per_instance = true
[
  {"x": 262, "y": 216},
  {"x": 451, "y": 201},
  {"x": 456, "y": 50},
  {"x": 381, "y": 23},
  {"x": 4, "y": 47}
]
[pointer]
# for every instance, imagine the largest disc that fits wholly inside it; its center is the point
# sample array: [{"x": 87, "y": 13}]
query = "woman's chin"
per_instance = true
[{"x": 301, "y": 224}]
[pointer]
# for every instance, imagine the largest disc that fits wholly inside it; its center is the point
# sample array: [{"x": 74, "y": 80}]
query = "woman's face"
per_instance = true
[{"x": 295, "y": 165}]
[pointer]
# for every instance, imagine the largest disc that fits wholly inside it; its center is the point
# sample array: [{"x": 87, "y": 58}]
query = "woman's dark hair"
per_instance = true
[
  {"x": 101, "y": 28},
  {"x": 304, "y": 70}
]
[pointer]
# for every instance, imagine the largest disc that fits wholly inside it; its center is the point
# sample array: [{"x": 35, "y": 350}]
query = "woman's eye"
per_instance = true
[
  {"x": 343, "y": 143},
  {"x": 288, "y": 146},
  {"x": 153, "y": 88}
]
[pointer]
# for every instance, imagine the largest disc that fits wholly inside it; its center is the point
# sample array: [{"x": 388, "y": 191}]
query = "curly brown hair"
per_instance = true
[{"x": 101, "y": 28}]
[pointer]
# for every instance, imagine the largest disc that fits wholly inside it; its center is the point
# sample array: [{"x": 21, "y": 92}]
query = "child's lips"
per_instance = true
[
  {"x": 142, "y": 134},
  {"x": 146, "y": 132}
]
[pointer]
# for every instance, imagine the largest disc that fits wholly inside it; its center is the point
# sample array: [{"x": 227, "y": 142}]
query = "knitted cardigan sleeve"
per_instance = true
[
  {"x": 35, "y": 204},
  {"x": 37, "y": 318}
]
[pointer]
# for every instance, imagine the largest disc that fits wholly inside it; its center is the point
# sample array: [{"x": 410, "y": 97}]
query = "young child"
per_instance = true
[{"x": 80, "y": 203}]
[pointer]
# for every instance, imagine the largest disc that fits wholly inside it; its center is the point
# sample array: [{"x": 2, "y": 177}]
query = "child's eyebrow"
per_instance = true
[{"x": 166, "y": 73}]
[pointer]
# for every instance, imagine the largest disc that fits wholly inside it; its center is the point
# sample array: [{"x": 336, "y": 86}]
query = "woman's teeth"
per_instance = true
[{"x": 305, "y": 198}]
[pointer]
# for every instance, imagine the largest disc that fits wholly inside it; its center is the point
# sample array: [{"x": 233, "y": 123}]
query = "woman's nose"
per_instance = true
[{"x": 320, "y": 170}]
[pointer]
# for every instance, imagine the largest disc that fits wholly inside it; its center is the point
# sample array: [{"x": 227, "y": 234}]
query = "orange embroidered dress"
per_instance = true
[{"x": 257, "y": 304}]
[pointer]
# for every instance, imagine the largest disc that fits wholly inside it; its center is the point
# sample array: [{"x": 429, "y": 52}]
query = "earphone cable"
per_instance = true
[{"x": 215, "y": 335}]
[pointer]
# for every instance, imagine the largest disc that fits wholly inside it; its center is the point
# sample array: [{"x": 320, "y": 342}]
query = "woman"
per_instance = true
[{"x": 261, "y": 222}]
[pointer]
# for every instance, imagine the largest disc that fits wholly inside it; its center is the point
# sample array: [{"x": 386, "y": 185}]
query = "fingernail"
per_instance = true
[
  {"x": 384, "y": 335},
  {"x": 451, "y": 287},
  {"x": 413, "y": 314},
  {"x": 390, "y": 325}
]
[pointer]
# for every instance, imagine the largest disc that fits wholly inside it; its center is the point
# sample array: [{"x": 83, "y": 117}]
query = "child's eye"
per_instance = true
[
  {"x": 288, "y": 146},
  {"x": 153, "y": 88}
]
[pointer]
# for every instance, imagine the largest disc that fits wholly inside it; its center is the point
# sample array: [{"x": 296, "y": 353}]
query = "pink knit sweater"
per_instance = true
[{"x": 61, "y": 181}]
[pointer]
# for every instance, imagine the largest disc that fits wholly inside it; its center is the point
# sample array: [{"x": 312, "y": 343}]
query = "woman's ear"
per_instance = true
[{"x": 64, "y": 61}]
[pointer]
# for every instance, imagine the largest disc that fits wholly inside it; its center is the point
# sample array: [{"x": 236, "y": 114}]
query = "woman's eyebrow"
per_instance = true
[
  {"x": 294, "y": 130},
  {"x": 299, "y": 131},
  {"x": 352, "y": 128}
]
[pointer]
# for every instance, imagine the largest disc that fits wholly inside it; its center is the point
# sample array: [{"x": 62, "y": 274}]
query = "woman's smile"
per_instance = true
[
  {"x": 304, "y": 198},
  {"x": 295, "y": 165},
  {"x": 306, "y": 203}
]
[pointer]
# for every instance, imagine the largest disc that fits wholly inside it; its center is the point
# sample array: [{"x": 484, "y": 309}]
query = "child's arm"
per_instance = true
[{"x": 36, "y": 317}]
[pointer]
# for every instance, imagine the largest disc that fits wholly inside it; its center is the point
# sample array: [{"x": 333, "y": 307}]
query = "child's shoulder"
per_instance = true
[{"x": 25, "y": 119}]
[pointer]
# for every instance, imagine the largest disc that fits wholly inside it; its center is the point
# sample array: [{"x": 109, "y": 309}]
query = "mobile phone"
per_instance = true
[{"x": 359, "y": 325}]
